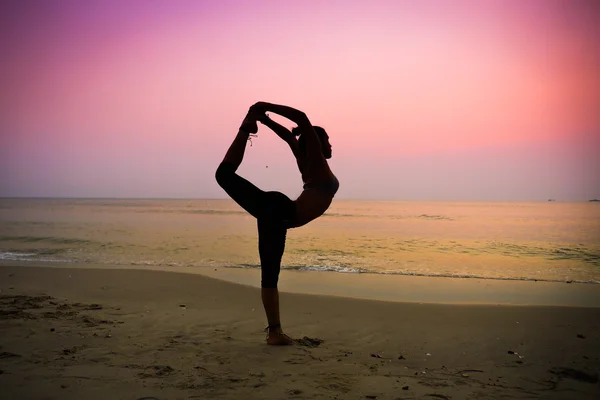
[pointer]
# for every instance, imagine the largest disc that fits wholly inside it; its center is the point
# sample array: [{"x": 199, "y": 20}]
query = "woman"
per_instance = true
[{"x": 275, "y": 212}]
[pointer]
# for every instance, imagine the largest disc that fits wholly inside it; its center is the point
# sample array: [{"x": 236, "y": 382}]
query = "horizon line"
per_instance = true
[{"x": 549, "y": 200}]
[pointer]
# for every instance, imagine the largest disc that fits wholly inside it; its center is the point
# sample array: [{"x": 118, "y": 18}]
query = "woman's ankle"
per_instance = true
[
  {"x": 274, "y": 329},
  {"x": 249, "y": 125}
]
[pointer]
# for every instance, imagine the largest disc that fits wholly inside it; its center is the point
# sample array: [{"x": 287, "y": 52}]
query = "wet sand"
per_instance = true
[{"x": 130, "y": 334}]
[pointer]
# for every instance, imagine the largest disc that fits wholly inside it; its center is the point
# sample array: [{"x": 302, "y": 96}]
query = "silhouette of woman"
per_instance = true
[{"x": 275, "y": 212}]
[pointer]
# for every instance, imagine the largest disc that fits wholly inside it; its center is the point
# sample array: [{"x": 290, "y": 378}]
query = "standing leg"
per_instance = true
[
  {"x": 270, "y": 210},
  {"x": 271, "y": 245}
]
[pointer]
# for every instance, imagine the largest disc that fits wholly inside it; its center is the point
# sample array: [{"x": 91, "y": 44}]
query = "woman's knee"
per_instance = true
[{"x": 269, "y": 279}]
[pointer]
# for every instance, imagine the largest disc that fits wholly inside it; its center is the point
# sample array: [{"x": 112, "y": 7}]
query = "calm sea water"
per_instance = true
[{"x": 543, "y": 241}]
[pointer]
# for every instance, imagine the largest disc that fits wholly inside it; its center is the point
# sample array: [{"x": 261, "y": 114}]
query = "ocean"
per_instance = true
[{"x": 543, "y": 241}]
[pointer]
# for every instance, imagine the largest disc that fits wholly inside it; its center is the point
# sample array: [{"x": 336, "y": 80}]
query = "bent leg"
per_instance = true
[
  {"x": 247, "y": 195},
  {"x": 235, "y": 153}
]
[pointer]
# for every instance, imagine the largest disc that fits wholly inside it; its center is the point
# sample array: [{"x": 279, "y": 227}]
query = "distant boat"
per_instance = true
[
  {"x": 551, "y": 200},
  {"x": 595, "y": 201}
]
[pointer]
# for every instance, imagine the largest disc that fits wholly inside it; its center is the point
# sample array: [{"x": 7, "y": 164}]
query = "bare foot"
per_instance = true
[{"x": 279, "y": 339}]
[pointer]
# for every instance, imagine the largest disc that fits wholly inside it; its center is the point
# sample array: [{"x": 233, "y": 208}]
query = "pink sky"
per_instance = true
[{"x": 429, "y": 100}]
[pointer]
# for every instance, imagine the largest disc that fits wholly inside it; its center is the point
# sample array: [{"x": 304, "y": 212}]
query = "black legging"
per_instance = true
[{"x": 274, "y": 212}]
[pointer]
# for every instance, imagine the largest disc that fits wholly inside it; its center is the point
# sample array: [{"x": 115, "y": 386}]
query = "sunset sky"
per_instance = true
[{"x": 423, "y": 100}]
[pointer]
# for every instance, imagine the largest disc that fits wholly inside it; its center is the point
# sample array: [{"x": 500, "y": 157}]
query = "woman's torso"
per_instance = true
[{"x": 320, "y": 186}]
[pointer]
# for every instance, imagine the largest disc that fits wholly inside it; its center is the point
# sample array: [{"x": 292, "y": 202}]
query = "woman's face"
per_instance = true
[{"x": 325, "y": 146}]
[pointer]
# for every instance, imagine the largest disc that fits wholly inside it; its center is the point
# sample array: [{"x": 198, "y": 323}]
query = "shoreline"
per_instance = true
[{"x": 394, "y": 288}]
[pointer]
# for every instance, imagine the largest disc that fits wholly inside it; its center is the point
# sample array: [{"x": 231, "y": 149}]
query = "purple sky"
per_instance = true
[{"x": 427, "y": 100}]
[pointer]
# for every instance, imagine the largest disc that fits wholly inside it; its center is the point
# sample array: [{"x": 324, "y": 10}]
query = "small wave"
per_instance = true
[
  {"x": 343, "y": 269},
  {"x": 474, "y": 276},
  {"x": 51, "y": 239},
  {"x": 321, "y": 268},
  {"x": 338, "y": 215},
  {"x": 390, "y": 216},
  {"x": 9, "y": 255},
  {"x": 358, "y": 270},
  {"x": 434, "y": 217},
  {"x": 18, "y": 256},
  {"x": 330, "y": 268}
]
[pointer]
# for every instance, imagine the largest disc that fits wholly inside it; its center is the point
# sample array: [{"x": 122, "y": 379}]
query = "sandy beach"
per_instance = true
[{"x": 130, "y": 334}]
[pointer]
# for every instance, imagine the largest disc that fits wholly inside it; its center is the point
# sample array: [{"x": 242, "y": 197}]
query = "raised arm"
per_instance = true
[
  {"x": 290, "y": 113},
  {"x": 282, "y": 132},
  {"x": 313, "y": 144}
]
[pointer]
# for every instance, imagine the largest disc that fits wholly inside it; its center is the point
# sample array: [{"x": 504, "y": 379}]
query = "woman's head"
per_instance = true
[{"x": 323, "y": 138}]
